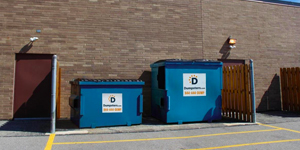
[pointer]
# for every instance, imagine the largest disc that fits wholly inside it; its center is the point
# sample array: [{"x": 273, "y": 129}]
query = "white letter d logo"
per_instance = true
[{"x": 194, "y": 80}]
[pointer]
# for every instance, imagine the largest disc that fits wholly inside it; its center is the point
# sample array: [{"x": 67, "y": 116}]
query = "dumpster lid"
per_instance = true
[
  {"x": 186, "y": 61},
  {"x": 84, "y": 81}
]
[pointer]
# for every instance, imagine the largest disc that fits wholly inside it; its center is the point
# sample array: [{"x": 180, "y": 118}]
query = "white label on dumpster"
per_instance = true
[
  {"x": 194, "y": 84},
  {"x": 112, "y": 103}
]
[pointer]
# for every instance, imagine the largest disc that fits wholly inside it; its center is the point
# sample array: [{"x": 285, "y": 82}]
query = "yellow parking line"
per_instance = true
[
  {"x": 247, "y": 144},
  {"x": 168, "y": 138},
  {"x": 50, "y": 142},
  {"x": 279, "y": 128}
]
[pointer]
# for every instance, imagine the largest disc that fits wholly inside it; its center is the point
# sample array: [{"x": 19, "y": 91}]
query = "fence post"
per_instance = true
[{"x": 252, "y": 91}]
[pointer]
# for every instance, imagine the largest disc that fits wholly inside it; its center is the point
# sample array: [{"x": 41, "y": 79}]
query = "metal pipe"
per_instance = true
[
  {"x": 252, "y": 91},
  {"x": 53, "y": 94}
]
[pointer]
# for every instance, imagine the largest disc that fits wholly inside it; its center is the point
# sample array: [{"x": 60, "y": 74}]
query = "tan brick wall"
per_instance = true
[
  {"x": 267, "y": 33},
  {"x": 98, "y": 39},
  {"x": 120, "y": 39}
]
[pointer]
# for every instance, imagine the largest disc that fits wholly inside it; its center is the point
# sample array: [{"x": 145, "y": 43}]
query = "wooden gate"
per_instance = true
[
  {"x": 290, "y": 89},
  {"x": 236, "y": 98}
]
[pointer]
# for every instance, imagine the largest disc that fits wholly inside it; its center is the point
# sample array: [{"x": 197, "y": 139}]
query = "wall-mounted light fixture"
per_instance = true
[
  {"x": 33, "y": 39},
  {"x": 231, "y": 42}
]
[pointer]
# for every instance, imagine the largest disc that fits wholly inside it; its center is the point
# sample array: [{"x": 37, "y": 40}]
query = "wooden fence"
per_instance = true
[
  {"x": 236, "y": 98},
  {"x": 58, "y": 82},
  {"x": 290, "y": 89}
]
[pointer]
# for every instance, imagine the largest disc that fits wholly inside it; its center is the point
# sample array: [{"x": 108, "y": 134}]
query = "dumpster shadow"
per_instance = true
[
  {"x": 63, "y": 125},
  {"x": 146, "y": 77},
  {"x": 271, "y": 99},
  {"x": 152, "y": 121}
]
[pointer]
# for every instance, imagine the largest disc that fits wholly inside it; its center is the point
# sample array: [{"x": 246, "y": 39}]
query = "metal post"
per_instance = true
[
  {"x": 53, "y": 94},
  {"x": 252, "y": 91}
]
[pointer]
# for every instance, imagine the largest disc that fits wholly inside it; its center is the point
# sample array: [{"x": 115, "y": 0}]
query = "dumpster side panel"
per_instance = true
[
  {"x": 158, "y": 100},
  {"x": 159, "y": 104},
  {"x": 92, "y": 114},
  {"x": 202, "y": 107}
]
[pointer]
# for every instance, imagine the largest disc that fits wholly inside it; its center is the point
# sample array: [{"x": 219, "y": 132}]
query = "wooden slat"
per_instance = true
[
  {"x": 228, "y": 92},
  {"x": 58, "y": 81},
  {"x": 231, "y": 91},
  {"x": 294, "y": 90},
  {"x": 237, "y": 92},
  {"x": 240, "y": 93},
  {"x": 285, "y": 89},
  {"x": 291, "y": 89},
  {"x": 234, "y": 94},
  {"x": 228, "y": 95},
  {"x": 225, "y": 91},
  {"x": 298, "y": 89},
  {"x": 243, "y": 104},
  {"x": 289, "y": 100},
  {"x": 247, "y": 100},
  {"x": 282, "y": 82}
]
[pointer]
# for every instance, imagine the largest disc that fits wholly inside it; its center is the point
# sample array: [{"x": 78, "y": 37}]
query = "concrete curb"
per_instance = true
[{"x": 149, "y": 128}]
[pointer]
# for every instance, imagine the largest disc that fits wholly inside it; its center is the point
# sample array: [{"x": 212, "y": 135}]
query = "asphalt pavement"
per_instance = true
[
  {"x": 273, "y": 130},
  {"x": 11, "y": 128}
]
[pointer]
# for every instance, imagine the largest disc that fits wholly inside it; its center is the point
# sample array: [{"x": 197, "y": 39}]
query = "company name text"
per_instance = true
[
  {"x": 112, "y": 105},
  {"x": 193, "y": 88}
]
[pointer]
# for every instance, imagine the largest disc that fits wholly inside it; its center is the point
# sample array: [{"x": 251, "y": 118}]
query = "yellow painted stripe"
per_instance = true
[
  {"x": 247, "y": 144},
  {"x": 50, "y": 142},
  {"x": 268, "y": 125},
  {"x": 279, "y": 128},
  {"x": 168, "y": 138}
]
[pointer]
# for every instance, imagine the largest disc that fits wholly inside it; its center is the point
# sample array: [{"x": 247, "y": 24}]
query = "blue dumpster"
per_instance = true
[
  {"x": 186, "y": 90},
  {"x": 97, "y": 103}
]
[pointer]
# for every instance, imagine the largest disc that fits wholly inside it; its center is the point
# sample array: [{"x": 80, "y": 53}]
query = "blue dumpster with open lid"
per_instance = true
[
  {"x": 96, "y": 103},
  {"x": 186, "y": 90}
]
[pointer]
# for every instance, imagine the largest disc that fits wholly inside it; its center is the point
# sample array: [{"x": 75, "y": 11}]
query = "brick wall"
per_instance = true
[
  {"x": 267, "y": 33},
  {"x": 120, "y": 39},
  {"x": 98, "y": 39}
]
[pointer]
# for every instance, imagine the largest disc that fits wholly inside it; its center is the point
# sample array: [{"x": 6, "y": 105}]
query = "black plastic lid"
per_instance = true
[
  {"x": 108, "y": 80},
  {"x": 186, "y": 60}
]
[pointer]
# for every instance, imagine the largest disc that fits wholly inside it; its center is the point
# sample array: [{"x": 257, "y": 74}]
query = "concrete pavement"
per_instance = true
[{"x": 42, "y": 127}]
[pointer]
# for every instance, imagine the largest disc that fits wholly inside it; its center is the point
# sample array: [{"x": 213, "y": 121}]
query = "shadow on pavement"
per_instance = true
[
  {"x": 153, "y": 121},
  {"x": 26, "y": 125},
  {"x": 41, "y": 126},
  {"x": 281, "y": 113}
]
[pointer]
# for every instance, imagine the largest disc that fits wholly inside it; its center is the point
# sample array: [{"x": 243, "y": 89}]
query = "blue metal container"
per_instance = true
[
  {"x": 186, "y": 90},
  {"x": 97, "y": 103}
]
